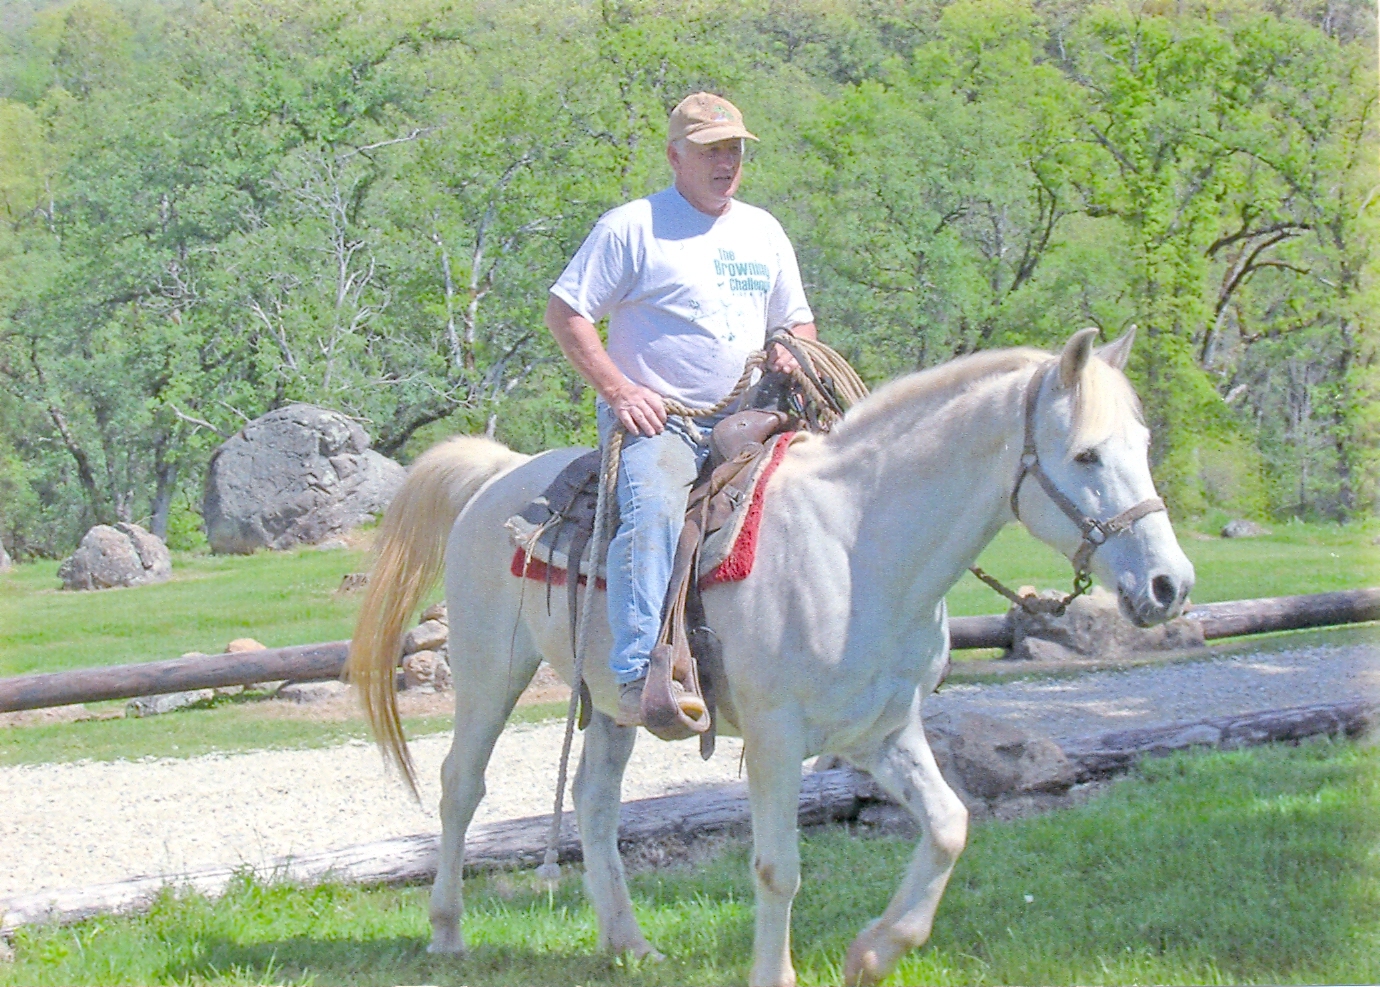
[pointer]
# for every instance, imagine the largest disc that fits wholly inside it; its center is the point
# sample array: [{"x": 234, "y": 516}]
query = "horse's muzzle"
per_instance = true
[{"x": 1160, "y": 597}]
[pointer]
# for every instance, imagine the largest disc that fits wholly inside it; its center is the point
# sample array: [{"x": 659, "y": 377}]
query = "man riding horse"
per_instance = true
[{"x": 691, "y": 282}]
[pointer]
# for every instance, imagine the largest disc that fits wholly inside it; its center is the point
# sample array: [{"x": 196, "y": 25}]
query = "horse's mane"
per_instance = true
[{"x": 1102, "y": 398}]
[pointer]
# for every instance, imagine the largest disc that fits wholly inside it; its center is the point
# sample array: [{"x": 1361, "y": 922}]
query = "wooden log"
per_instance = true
[
  {"x": 825, "y": 796},
  {"x": 1106, "y": 754},
  {"x": 1286, "y": 613},
  {"x": 990, "y": 631},
  {"x": 311, "y": 662},
  {"x": 301, "y": 663}
]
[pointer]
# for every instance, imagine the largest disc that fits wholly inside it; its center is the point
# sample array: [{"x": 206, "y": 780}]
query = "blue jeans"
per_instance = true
[{"x": 654, "y": 483}]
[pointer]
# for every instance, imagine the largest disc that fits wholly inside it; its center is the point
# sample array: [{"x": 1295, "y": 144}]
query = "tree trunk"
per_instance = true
[{"x": 162, "y": 496}]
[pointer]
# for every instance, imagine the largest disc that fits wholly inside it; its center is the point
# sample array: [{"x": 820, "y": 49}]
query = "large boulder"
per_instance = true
[
  {"x": 1091, "y": 628},
  {"x": 298, "y": 475},
  {"x": 123, "y": 555}
]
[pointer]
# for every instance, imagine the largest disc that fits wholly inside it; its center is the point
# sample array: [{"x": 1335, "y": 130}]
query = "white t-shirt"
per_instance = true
[{"x": 688, "y": 296}]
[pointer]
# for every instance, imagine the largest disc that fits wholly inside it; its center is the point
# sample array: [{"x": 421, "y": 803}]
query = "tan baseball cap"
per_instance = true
[{"x": 705, "y": 118}]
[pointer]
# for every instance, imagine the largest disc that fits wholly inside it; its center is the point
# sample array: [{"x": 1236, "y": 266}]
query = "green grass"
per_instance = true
[
  {"x": 221, "y": 728},
  {"x": 1248, "y": 867},
  {"x": 277, "y": 598}
]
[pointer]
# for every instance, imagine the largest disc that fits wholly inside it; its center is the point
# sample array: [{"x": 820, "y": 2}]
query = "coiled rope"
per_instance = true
[{"x": 823, "y": 376}]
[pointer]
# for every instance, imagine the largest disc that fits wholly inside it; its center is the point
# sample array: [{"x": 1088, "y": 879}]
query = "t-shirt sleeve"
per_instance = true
[
  {"x": 600, "y": 274},
  {"x": 787, "y": 305}
]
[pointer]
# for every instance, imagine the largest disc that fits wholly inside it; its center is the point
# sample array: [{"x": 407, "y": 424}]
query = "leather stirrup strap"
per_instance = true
[
  {"x": 671, "y": 660},
  {"x": 576, "y": 553}
]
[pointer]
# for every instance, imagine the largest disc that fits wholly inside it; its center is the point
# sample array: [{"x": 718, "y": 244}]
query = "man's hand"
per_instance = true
[
  {"x": 640, "y": 409},
  {"x": 781, "y": 359}
]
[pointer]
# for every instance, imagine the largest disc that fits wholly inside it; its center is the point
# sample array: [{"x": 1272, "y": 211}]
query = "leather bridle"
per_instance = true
[{"x": 1095, "y": 532}]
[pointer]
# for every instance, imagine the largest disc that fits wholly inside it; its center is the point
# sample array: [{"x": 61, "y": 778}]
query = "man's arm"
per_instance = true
[{"x": 639, "y": 408}]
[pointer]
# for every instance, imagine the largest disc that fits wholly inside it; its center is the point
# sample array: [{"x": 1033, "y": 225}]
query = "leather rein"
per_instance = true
[{"x": 1095, "y": 533}]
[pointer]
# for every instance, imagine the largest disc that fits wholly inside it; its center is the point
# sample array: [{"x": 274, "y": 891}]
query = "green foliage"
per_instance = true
[
  {"x": 1256, "y": 866},
  {"x": 208, "y": 210}
]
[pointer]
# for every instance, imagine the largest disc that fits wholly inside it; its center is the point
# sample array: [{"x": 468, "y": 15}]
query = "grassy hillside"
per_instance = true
[{"x": 290, "y": 597}]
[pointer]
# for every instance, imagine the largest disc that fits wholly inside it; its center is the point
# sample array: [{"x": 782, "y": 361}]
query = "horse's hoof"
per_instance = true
[
  {"x": 639, "y": 950},
  {"x": 446, "y": 944},
  {"x": 861, "y": 965}
]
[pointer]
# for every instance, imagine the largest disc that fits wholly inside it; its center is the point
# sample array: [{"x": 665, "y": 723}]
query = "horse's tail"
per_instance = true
[{"x": 407, "y": 559}]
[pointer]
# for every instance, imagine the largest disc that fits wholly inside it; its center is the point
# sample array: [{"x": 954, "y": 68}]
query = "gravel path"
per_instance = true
[{"x": 65, "y": 825}]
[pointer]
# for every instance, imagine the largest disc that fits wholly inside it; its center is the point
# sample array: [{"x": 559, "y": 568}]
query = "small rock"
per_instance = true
[
  {"x": 193, "y": 654},
  {"x": 437, "y": 611},
  {"x": 243, "y": 644},
  {"x": 1242, "y": 528},
  {"x": 312, "y": 692},
  {"x": 352, "y": 581},
  {"x": 986, "y": 759},
  {"x": 429, "y": 635},
  {"x": 166, "y": 703},
  {"x": 887, "y": 819},
  {"x": 122, "y": 555},
  {"x": 332, "y": 545},
  {"x": 6, "y": 564},
  {"x": 229, "y": 690},
  {"x": 426, "y": 671},
  {"x": 270, "y": 688},
  {"x": 6, "y": 952}
]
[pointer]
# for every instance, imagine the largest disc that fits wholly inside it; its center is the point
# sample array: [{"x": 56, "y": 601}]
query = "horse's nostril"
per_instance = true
[{"x": 1164, "y": 591}]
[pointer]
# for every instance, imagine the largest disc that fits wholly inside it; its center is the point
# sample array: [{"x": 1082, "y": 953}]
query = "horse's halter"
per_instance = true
[{"x": 1095, "y": 532}]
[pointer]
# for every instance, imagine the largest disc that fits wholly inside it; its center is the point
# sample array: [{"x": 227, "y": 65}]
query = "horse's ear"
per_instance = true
[
  {"x": 1115, "y": 354},
  {"x": 1077, "y": 352}
]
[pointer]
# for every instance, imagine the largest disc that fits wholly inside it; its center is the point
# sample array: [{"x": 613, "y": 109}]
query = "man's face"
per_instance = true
[{"x": 707, "y": 174}]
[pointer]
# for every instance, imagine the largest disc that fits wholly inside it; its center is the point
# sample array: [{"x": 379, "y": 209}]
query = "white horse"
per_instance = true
[{"x": 830, "y": 645}]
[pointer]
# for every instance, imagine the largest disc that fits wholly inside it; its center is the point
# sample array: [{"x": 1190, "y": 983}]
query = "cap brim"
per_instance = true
[{"x": 719, "y": 132}]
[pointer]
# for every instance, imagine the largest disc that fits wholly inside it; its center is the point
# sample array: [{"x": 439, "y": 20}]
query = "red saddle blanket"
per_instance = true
[{"x": 736, "y": 564}]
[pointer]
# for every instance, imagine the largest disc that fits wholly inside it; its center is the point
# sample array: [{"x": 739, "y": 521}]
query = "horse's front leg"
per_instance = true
[
  {"x": 597, "y": 792},
  {"x": 906, "y": 770},
  {"x": 773, "y": 751}
]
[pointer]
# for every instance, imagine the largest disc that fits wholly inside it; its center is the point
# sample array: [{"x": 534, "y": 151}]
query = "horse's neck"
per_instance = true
[{"x": 931, "y": 485}]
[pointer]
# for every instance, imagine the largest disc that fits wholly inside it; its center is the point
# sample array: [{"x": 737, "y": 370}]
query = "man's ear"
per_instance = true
[
  {"x": 1115, "y": 354},
  {"x": 1077, "y": 353}
]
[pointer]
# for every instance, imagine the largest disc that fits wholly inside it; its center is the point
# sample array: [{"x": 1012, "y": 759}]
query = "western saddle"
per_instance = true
[{"x": 557, "y": 526}]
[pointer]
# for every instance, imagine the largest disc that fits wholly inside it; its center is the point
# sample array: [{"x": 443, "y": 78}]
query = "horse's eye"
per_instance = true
[{"x": 1088, "y": 457}]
